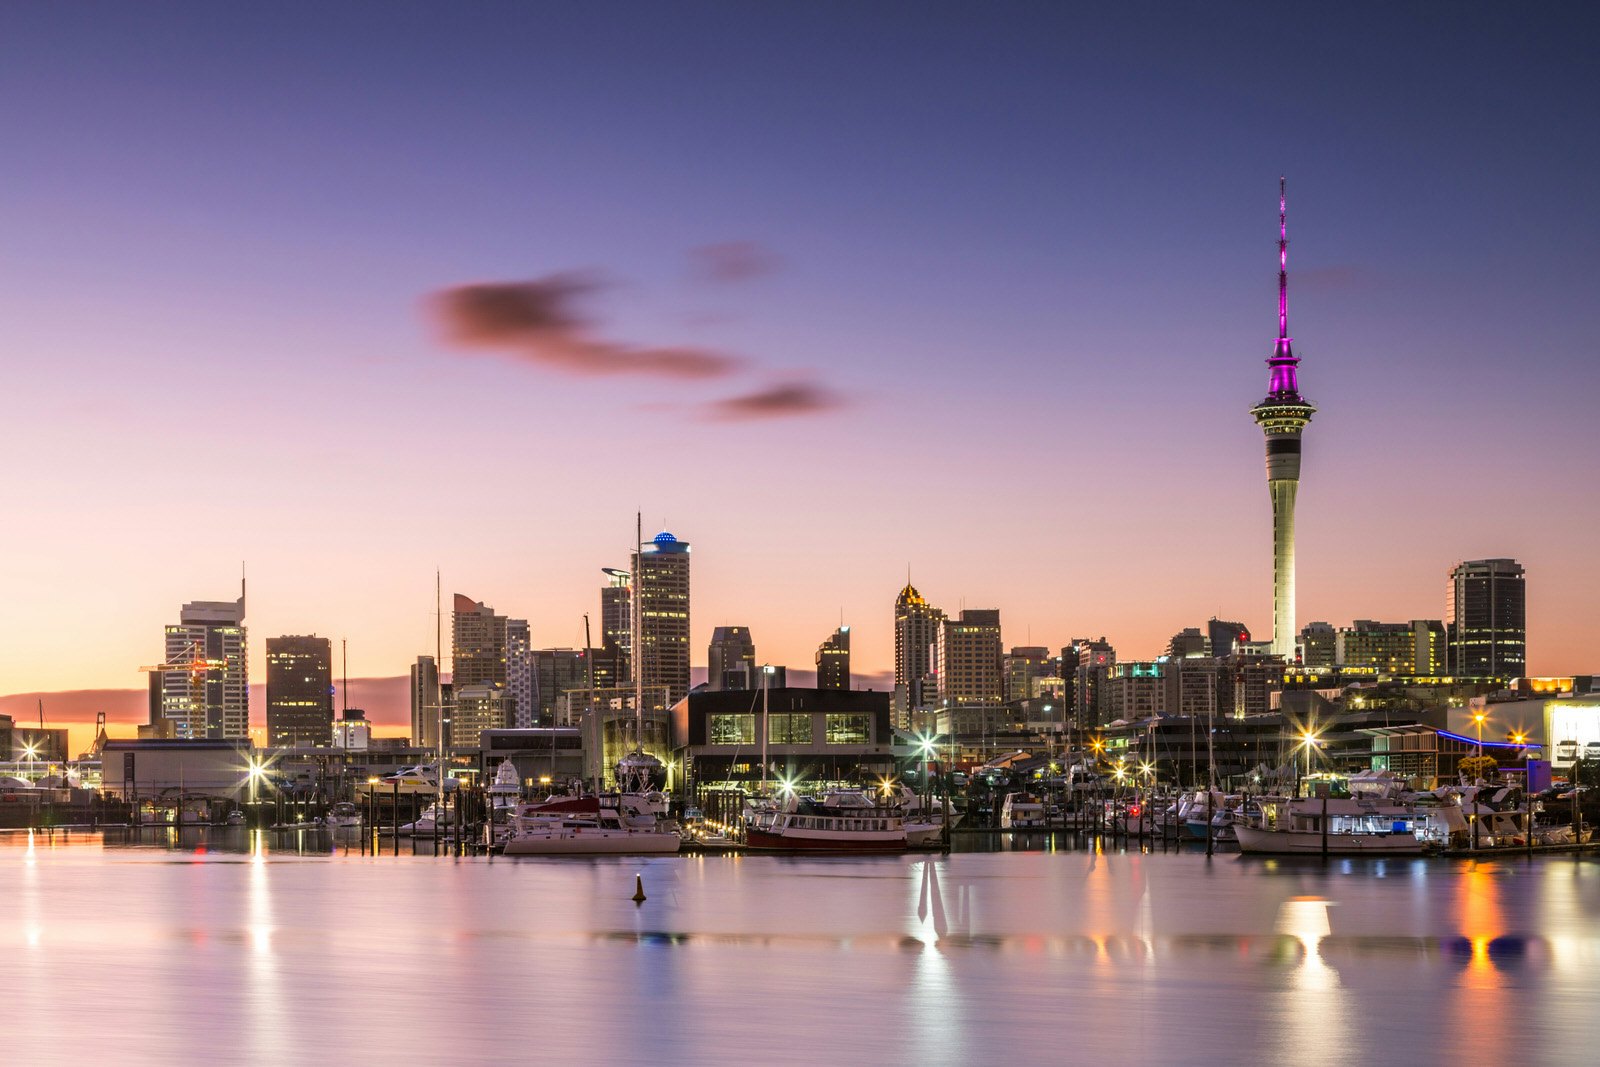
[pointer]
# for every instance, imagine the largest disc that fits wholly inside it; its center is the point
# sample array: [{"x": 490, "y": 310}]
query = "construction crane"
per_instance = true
[{"x": 193, "y": 662}]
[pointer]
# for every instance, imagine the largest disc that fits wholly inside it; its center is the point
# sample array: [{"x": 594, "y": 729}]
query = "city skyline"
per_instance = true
[{"x": 1054, "y": 357}]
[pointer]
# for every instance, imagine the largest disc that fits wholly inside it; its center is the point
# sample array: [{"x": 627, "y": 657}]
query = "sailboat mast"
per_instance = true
[{"x": 438, "y": 698}]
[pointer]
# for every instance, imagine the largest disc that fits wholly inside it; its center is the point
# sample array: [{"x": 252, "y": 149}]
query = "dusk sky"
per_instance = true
[{"x": 827, "y": 290}]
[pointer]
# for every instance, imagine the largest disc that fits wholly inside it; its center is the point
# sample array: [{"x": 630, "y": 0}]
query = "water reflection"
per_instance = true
[{"x": 258, "y": 955}]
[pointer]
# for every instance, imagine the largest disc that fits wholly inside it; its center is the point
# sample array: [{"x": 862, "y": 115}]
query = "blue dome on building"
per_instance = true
[{"x": 664, "y": 538}]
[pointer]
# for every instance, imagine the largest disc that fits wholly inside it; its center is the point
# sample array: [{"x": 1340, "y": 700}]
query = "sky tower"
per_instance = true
[{"x": 1282, "y": 417}]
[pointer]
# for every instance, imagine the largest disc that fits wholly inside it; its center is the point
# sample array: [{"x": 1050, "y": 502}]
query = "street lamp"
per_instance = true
[{"x": 1308, "y": 741}]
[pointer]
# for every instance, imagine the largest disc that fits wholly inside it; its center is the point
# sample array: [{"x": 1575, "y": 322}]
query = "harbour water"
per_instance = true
[{"x": 216, "y": 948}]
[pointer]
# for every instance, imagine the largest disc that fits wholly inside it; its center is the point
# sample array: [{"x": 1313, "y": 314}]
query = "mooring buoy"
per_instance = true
[{"x": 638, "y": 889}]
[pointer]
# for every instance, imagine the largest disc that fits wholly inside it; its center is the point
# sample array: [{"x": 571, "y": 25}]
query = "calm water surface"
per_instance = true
[{"x": 202, "y": 955}]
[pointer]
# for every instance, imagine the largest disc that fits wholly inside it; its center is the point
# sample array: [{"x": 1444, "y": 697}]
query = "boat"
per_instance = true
[
  {"x": 925, "y": 819},
  {"x": 583, "y": 825},
  {"x": 1344, "y": 826},
  {"x": 840, "y": 821},
  {"x": 433, "y": 819},
  {"x": 1022, "y": 811},
  {"x": 409, "y": 780},
  {"x": 343, "y": 814}
]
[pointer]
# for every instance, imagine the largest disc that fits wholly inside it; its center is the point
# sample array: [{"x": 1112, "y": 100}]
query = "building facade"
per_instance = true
[
  {"x": 425, "y": 702},
  {"x": 970, "y": 659},
  {"x": 477, "y": 645},
  {"x": 299, "y": 691}
]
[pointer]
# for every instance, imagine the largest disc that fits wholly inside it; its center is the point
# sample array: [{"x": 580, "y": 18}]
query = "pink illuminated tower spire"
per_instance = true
[{"x": 1283, "y": 417}]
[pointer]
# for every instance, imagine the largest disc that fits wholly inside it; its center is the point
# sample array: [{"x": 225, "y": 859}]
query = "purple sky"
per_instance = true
[{"x": 994, "y": 284}]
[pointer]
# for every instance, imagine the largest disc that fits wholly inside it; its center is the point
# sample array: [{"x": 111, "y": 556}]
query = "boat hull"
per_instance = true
[
  {"x": 1255, "y": 840},
  {"x": 593, "y": 843},
  {"x": 758, "y": 840}
]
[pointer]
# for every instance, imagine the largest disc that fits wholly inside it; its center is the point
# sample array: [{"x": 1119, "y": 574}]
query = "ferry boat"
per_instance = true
[
  {"x": 1353, "y": 827},
  {"x": 842, "y": 821},
  {"x": 583, "y": 825}
]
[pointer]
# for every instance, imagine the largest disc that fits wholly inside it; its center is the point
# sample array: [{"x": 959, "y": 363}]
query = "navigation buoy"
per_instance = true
[{"x": 638, "y": 889}]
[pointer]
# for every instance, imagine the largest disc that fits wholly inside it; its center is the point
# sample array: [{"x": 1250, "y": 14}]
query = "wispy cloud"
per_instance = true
[
  {"x": 538, "y": 321},
  {"x": 781, "y": 401},
  {"x": 733, "y": 261}
]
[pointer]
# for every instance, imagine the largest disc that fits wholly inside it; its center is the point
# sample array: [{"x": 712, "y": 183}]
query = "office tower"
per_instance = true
[
  {"x": 1318, "y": 646},
  {"x": 1226, "y": 637},
  {"x": 731, "y": 659},
  {"x": 299, "y": 691},
  {"x": 1486, "y": 619},
  {"x": 661, "y": 567},
  {"x": 1283, "y": 416},
  {"x": 1093, "y": 659},
  {"x": 1134, "y": 690},
  {"x": 521, "y": 687},
  {"x": 477, "y": 645},
  {"x": 968, "y": 659},
  {"x": 1191, "y": 685},
  {"x": 833, "y": 660},
  {"x": 204, "y": 678},
  {"x": 1020, "y": 667},
  {"x": 616, "y": 629},
  {"x": 425, "y": 702},
  {"x": 916, "y": 630}
]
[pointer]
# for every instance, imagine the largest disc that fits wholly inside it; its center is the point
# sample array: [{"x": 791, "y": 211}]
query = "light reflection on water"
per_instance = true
[{"x": 212, "y": 948}]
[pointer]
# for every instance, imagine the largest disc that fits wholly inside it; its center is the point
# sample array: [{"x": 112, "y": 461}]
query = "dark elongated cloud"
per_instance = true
[
  {"x": 780, "y": 401},
  {"x": 733, "y": 261},
  {"x": 538, "y": 321}
]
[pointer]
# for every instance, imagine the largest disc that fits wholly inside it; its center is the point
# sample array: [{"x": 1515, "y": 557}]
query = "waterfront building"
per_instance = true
[
  {"x": 833, "y": 660},
  {"x": 153, "y": 769},
  {"x": 299, "y": 691},
  {"x": 916, "y": 630},
  {"x": 616, "y": 626},
  {"x": 968, "y": 659},
  {"x": 546, "y": 757},
  {"x": 661, "y": 567},
  {"x": 204, "y": 680},
  {"x": 521, "y": 687},
  {"x": 477, "y": 645},
  {"x": 1020, "y": 667},
  {"x": 1246, "y": 683},
  {"x": 812, "y": 736},
  {"x": 477, "y": 708},
  {"x": 1486, "y": 619},
  {"x": 1283, "y": 417},
  {"x": 352, "y": 732},
  {"x": 425, "y": 702},
  {"x": 731, "y": 659}
]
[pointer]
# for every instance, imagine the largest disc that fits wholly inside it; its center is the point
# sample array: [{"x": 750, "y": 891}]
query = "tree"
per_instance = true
[{"x": 1475, "y": 767}]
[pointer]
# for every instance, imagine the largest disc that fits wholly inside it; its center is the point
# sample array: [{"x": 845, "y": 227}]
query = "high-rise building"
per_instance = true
[
  {"x": 731, "y": 659},
  {"x": 425, "y": 702},
  {"x": 661, "y": 567},
  {"x": 1486, "y": 619},
  {"x": 207, "y": 694},
  {"x": 833, "y": 660},
  {"x": 299, "y": 691},
  {"x": 1134, "y": 690},
  {"x": 1188, "y": 642},
  {"x": 969, "y": 659},
  {"x": 1226, "y": 637},
  {"x": 916, "y": 630},
  {"x": 616, "y": 629},
  {"x": 555, "y": 671},
  {"x": 1020, "y": 667},
  {"x": 521, "y": 686},
  {"x": 1283, "y": 417},
  {"x": 477, "y": 645}
]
